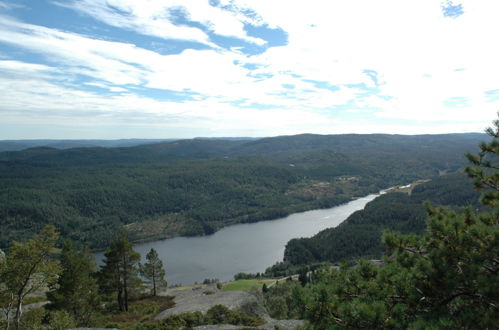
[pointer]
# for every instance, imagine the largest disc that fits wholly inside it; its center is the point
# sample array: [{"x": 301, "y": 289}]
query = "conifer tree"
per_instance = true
[
  {"x": 76, "y": 289},
  {"x": 153, "y": 271},
  {"x": 447, "y": 278},
  {"x": 485, "y": 167},
  {"x": 119, "y": 274}
]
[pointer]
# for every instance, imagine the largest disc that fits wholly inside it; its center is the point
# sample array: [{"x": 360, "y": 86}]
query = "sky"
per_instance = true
[{"x": 109, "y": 69}]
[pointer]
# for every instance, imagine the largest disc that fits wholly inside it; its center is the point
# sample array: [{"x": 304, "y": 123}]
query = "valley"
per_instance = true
[
  {"x": 196, "y": 187},
  {"x": 286, "y": 268}
]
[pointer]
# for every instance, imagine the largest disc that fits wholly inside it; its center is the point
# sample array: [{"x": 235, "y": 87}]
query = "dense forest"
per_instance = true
[
  {"x": 360, "y": 234},
  {"x": 441, "y": 276},
  {"x": 195, "y": 187}
]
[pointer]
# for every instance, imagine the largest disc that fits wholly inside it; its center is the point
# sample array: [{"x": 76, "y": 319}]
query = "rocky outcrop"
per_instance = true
[
  {"x": 203, "y": 298},
  {"x": 271, "y": 325}
]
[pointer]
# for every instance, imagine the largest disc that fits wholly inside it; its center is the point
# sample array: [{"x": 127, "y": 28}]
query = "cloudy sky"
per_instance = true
[{"x": 186, "y": 68}]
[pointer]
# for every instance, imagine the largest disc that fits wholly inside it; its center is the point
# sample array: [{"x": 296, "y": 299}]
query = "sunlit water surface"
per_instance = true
[{"x": 248, "y": 248}]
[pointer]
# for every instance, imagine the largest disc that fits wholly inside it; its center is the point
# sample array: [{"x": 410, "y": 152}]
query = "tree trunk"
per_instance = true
[
  {"x": 19, "y": 311},
  {"x": 120, "y": 300},
  {"x": 154, "y": 283},
  {"x": 125, "y": 287},
  {"x": 8, "y": 311}
]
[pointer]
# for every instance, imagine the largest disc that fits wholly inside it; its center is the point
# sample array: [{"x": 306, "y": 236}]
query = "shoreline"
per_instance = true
[{"x": 400, "y": 188}]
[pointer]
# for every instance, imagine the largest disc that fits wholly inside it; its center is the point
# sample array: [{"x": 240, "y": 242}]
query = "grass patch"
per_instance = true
[
  {"x": 242, "y": 285},
  {"x": 189, "y": 287}
]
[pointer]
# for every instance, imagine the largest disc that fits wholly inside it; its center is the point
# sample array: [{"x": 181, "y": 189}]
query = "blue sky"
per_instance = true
[{"x": 75, "y": 69}]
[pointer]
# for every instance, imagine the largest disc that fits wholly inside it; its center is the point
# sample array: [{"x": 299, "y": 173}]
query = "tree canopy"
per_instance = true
[
  {"x": 28, "y": 267},
  {"x": 76, "y": 288},
  {"x": 196, "y": 187},
  {"x": 445, "y": 278},
  {"x": 153, "y": 271},
  {"x": 119, "y": 274}
]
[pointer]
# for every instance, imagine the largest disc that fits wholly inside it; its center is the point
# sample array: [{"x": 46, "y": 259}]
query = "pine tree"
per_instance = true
[
  {"x": 447, "y": 278},
  {"x": 485, "y": 167},
  {"x": 76, "y": 289},
  {"x": 119, "y": 274},
  {"x": 153, "y": 271}
]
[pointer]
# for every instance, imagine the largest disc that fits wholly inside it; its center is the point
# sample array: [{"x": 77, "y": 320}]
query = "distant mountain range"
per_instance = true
[
  {"x": 274, "y": 147},
  {"x": 17, "y": 145}
]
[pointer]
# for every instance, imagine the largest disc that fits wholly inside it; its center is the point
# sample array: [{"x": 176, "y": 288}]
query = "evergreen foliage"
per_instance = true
[
  {"x": 196, "y": 187},
  {"x": 153, "y": 271},
  {"x": 446, "y": 278},
  {"x": 119, "y": 274},
  {"x": 485, "y": 167},
  {"x": 218, "y": 314},
  {"x": 360, "y": 234},
  {"x": 76, "y": 290}
]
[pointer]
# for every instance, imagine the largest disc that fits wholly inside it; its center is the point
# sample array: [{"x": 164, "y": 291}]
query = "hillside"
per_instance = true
[
  {"x": 360, "y": 235},
  {"x": 195, "y": 187},
  {"x": 17, "y": 145}
]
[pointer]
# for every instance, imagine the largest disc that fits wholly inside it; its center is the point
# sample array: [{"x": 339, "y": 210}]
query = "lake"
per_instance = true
[{"x": 247, "y": 248}]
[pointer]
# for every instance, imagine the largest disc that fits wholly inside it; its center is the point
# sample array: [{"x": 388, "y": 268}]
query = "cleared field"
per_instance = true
[{"x": 245, "y": 285}]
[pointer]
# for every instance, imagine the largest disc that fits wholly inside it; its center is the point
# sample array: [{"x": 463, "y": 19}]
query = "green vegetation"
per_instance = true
[
  {"x": 76, "y": 290},
  {"x": 286, "y": 300},
  {"x": 360, "y": 235},
  {"x": 141, "y": 310},
  {"x": 443, "y": 278},
  {"x": 243, "y": 285},
  {"x": 218, "y": 314},
  {"x": 79, "y": 296},
  {"x": 27, "y": 268},
  {"x": 195, "y": 187},
  {"x": 153, "y": 271},
  {"x": 119, "y": 274}
]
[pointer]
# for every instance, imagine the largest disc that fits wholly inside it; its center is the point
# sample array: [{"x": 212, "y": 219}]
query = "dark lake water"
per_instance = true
[{"x": 248, "y": 248}]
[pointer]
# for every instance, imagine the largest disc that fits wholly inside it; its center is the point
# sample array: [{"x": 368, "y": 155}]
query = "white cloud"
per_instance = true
[
  {"x": 104, "y": 86},
  {"x": 212, "y": 73},
  {"x": 105, "y": 60},
  {"x": 335, "y": 41},
  {"x": 156, "y": 18},
  {"x": 21, "y": 68},
  {"x": 422, "y": 59},
  {"x": 36, "y": 101}
]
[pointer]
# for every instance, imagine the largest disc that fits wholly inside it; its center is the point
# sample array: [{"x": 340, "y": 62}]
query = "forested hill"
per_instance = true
[
  {"x": 277, "y": 147},
  {"x": 17, "y": 145},
  {"x": 360, "y": 143},
  {"x": 360, "y": 235},
  {"x": 195, "y": 187}
]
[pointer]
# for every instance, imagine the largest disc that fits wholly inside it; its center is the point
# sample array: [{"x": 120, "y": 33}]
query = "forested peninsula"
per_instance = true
[
  {"x": 402, "y": 211},
  {"x": 195, "y": 187}
]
